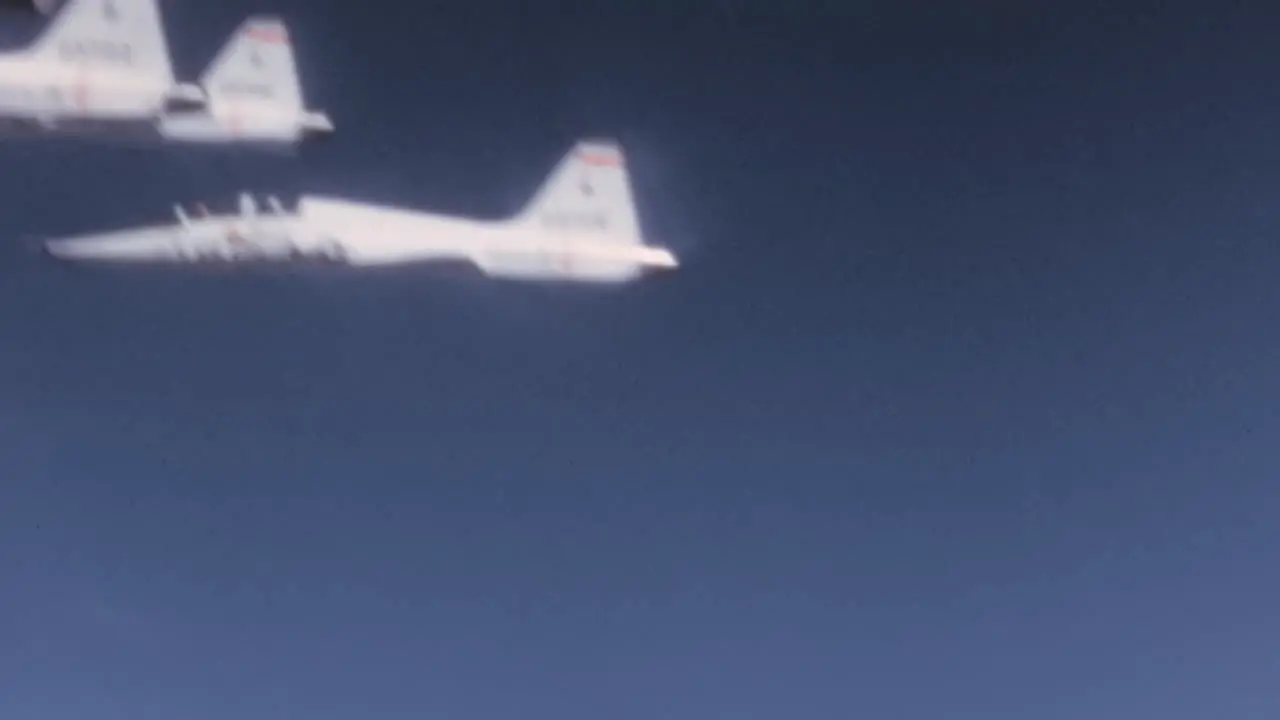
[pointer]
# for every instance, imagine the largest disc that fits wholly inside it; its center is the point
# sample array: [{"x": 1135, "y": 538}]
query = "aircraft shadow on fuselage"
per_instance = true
[
  {"x": 123, "y": 131},
  {"x": 460, "y": 275},
  {"x": 457, "y": 270},
  {"x": 138, "y": 134}
]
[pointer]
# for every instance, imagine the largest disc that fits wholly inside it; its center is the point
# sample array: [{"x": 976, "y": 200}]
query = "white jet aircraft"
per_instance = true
[
  {"x": 253, "y": 91},
  {"x": 581, "y": 226},
  {"x": 100, "y": 63}
]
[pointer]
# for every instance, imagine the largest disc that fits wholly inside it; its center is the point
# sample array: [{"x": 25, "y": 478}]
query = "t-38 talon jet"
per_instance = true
[
  {"x": 581, "y": 226},
  {"x": 99, "y": 64},
  {"x": 254, "y": 95}
]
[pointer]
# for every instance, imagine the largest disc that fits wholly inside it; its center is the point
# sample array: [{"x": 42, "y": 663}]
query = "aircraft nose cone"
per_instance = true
[{"x": 57, "y": 249}]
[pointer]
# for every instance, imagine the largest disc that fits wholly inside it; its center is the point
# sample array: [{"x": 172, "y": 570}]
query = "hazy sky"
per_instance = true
[{"x": 964, "y": 404}]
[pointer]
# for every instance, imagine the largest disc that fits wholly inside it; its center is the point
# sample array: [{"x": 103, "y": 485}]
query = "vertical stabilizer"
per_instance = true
[
  {"x": 256, "y": 66},
  {"x": 125, "y": 36},
  {"x": 589, "y": 191}
]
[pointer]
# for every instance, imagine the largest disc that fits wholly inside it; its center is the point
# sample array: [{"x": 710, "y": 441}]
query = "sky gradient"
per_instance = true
[{"x": 963, "y": 405}]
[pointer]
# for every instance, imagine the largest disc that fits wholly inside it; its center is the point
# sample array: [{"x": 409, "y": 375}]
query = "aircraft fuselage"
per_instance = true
[
  {"x": 40, "y": 90},
  {"x": 580, "y": 226},
  {"x": 221, "y": 239},
  {"x": 265, "y": 125},
  {"x": 335, "y": 231},
  {"x": 372, "y": 235}
]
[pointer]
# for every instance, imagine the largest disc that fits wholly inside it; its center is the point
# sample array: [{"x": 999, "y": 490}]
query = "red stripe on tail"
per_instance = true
[
  {"x": 270, "y": 34},
  {"x": 601, "y": 158}
]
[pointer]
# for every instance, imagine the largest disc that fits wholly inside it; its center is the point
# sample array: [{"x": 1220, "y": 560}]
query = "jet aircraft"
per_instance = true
[
  {"x": 100, "y": 63},
  {"x": 253, "y": 94},
  {"x": 580, "y": 226}
]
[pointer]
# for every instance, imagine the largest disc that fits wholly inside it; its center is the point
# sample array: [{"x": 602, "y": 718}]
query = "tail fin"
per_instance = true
[
  {"x": 589, "y": 191},
  {"x": 124, "y": 35},
  {"x": 256, "y": 66}
]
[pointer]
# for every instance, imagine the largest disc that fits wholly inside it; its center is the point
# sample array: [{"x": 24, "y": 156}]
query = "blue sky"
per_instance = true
[{"x": 963, "y": 405}]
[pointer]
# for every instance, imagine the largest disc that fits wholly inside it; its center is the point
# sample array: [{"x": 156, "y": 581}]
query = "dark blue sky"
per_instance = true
[{"x": 964, "y": 404}]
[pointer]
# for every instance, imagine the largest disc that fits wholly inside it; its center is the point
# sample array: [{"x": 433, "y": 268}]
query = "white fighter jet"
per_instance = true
[
  {"x": 254, "y": 95},
  {"x": 100, "y": 63},
  {"x": 581, "y": 226}
]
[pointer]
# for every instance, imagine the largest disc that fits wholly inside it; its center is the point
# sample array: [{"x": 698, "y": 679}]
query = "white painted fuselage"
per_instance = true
[
  {"x": 512, "y": 248},
  {"x": 215, "y": 239},
  {"x": 32, "y": 88},
  {"x": 579, "y": 227},
  {"x": 97, "y": 61},
  {"x": 355, "y": 234},
  {"x": 245, "y": 124}
]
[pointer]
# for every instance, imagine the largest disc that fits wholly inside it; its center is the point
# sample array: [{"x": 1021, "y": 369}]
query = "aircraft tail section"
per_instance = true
[
  {"x": 120, "y": 35},
  {"x": 589, "y": 191},
  {"x": 256, "y": 66}
]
